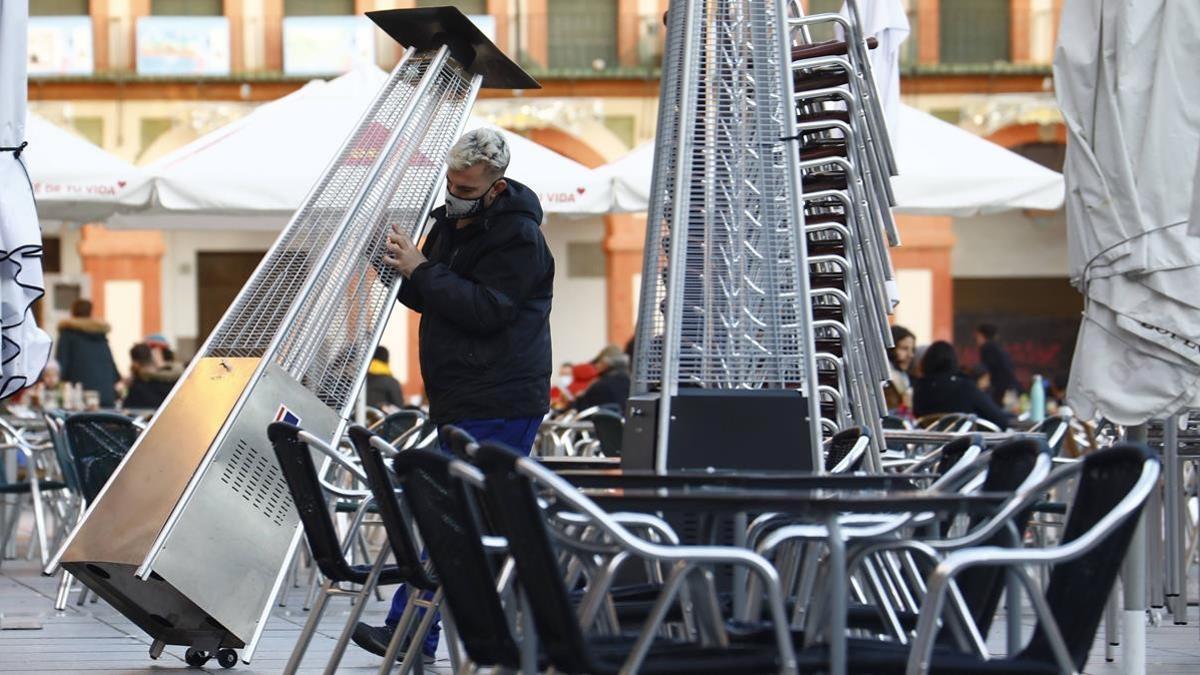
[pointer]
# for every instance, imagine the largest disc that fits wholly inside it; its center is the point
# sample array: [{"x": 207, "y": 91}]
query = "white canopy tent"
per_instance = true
[
  {"x": 944, "y": 170},
  {"x": 255, "y": 172},
  {"x": 73, "y": 180}
]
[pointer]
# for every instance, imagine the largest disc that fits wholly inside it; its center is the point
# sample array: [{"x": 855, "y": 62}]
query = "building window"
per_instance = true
[
  {"x": 823, "y": 31},
  {"x": 585, "y": 260},
  {"x": 581, "y": 34},
  {"x": 151, "y": 129},
  {"x": 325, "y": 37},
  {"x": 91, "y": 128},
  {"x": 1050, "y": 155},
  {"x": 51, "y": 255},
  {"x": 911, "y": 47},
  {"x": 317, "y": 7},
  {"x": 186, "y": 8},
  {"x": 467, "y": 7},
  {"x": 183, "y": 37},
  {"x": 974, "y": 31},
  {"x": 58, "y": 8}
]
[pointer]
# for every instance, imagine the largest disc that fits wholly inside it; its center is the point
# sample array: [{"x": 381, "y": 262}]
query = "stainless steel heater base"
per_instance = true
[{"x": 749, "y": 430}]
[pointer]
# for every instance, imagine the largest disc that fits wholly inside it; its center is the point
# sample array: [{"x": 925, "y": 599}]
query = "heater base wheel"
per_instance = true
[
  {"x": 196, "y": 657},
  {"x": 227, "y": 658}
]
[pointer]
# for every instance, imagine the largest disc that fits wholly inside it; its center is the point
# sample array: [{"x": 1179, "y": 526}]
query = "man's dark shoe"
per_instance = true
[{"x": 375, "y": 639}]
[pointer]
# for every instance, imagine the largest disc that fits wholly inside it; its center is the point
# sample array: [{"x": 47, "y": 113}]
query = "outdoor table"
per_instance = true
[
  {"x": 583, "y": 425},
  {"x": 818, "y": 504},
  {"x": 923, "y": 436},
  {"x": 561, "y": 463},
  {"x": 642, "y": 479}
]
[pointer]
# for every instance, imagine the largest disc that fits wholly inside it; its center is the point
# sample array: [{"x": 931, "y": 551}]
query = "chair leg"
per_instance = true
[
  {"x": 356, "y": 610},
  {"x": 1111, "y": 638},
  {"x": 39, "y": 516},
  {"x": 314, "y": 586},
  {"x": 12, "y": 512},
  {"x": 452, "y": 645},
  {"x": 310, "y": 627},
  {"x": 414, "y": 658},
  {"x": 64, "y": 590},
  {"x": 402, "y": 628}
]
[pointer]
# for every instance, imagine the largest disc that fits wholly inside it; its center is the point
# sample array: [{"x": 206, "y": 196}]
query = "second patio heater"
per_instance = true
[
  {"x": 723, "y": 371},
  {"x": 190, "y": 537}
]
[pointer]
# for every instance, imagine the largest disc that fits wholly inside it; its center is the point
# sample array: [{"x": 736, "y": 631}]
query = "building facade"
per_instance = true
[{"x": 142, "y": 77}]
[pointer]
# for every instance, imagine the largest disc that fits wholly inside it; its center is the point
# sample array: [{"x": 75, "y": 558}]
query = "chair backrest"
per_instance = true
[
  {"x": 610, "y": 431},
  {"x": 1079, "y": 588},
  {"x": 98, "y": 442},
  {"x": 395, "y": 521},
  {"x": 894, "y": 422},
  {"x": 395, "y": 424},
  {"x": 56, "y": 430},
  {"x": 441, "y": 506},
  {"x": 840, "y": 446},
  {"x": 458, "y": 440},
  {"x": 953, "y": 451},
  {"x": 296, "y": 464},
  {"x": 1009, "y": 465},
  {"x": 949, "y": 422},
  {"x": 1056, "y": 429},
  {"x": 512, "y": 500}
]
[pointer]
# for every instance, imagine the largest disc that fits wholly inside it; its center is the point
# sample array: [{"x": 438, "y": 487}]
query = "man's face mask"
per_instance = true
[{"x": 457, "y": 207}]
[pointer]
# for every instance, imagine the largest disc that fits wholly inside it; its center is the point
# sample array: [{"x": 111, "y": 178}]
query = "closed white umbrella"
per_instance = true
[
  {"x": 25, "y": 347},
  {"x": 1127, "y": 84},
  {"x": 944, "y": 170},
  {"x": 887, "y": 21}
]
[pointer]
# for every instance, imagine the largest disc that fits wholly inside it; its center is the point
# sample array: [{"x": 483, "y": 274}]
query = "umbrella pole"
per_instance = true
[{"x": 1133, "y": 661}]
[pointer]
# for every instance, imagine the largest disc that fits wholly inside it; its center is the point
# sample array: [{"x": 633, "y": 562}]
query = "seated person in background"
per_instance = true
[
  {"x": 560, "y": 392},
  {"x": 383, "y": 389},
  {"x": 942, "y": 389},
  {"x": 148, "y": 383},
  {"x": 898, "y": 387},
  {"x": 611, "y": 389}
]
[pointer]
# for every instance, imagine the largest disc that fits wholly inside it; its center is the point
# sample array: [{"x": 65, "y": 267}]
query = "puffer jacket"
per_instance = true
[
  {"x": 84, "y": 356},
  {"x": 484, "y": 296}
]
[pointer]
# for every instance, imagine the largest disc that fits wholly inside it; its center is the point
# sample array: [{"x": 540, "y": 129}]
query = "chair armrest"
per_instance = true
[{"x": 335, "y": 456}]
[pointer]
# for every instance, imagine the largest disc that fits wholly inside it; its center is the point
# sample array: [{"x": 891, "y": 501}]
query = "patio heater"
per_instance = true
[
  {"x": 723, "y": 374},
  {"x": 191, "y": 537}
]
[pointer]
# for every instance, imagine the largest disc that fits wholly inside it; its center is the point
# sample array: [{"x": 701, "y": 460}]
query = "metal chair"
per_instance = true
[
  {"x": 1112, "y": 489},
  {"x": 610, "y": 431},
  {"x": 510, "y": 480},
  {"x": 300, "y": 473},
  {"x": 371, "y": 450},
  {"x": 443, "y": 510},
  {"x": 32, "y": 487}
]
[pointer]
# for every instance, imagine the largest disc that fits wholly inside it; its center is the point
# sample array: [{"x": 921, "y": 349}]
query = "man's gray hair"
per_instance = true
[{"x": 480, "y": 146}]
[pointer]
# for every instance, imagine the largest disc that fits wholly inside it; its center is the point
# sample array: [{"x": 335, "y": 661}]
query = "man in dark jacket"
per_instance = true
[
  {"x": 84, "y": 355},
  {"x": 997, "y": 361},
  {"x": 483, "y": 283}
]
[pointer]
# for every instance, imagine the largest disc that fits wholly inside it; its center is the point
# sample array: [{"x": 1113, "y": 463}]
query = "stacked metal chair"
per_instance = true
[
  {"x": 766, "y": 266},
  {"x": 846, "y": 161}
]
